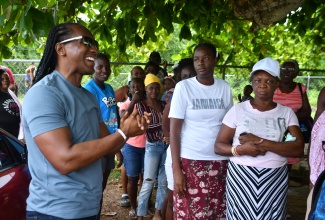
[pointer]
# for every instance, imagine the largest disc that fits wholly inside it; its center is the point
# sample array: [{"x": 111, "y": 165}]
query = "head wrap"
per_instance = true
[{"x": 151, "y": 78}]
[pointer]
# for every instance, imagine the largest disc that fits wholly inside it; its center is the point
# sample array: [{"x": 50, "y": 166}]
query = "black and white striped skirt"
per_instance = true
[{"x": 256, "y": 193}]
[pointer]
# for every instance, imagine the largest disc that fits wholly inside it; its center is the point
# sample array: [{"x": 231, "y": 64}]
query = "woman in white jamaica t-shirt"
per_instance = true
[{"x": 197, "y": 109}]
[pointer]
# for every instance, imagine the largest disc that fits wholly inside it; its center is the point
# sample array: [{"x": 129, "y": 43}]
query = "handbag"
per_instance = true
[{"x": 305, "y": 125}]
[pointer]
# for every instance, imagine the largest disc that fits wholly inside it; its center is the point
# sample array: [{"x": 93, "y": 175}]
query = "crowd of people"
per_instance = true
[{"x": 210, "y": 159}]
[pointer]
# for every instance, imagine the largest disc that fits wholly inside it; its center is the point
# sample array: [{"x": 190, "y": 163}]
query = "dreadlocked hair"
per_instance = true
[{"x": 49, "y": 59}]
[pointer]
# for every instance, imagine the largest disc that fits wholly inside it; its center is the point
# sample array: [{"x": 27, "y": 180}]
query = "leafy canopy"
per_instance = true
[{"x": 130, "y": 30}]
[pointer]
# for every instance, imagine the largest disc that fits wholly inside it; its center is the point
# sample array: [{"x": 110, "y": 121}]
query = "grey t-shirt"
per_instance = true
[{"x": 51, "y": 104}]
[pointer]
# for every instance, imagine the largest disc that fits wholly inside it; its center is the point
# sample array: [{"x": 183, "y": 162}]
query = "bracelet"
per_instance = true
[
  {"x": 122, "y": 134},
  {"x": 234, "y": 151}
]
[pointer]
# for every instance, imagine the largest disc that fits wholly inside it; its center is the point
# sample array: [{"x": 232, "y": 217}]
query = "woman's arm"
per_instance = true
[
  {"x": 175, "y": 146},
  {"x": 121, "y": 94},
  {"x": 288, "y": 148},
  {"x": 305, "y": 110},
  {"x": 223, "y": 147},
  {"x": 166, "y": 123}
]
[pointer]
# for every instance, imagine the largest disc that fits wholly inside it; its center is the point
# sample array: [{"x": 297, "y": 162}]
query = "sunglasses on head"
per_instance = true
[
  {"x": 285, "y": 69},
  {"x": 87, "y": 41}
]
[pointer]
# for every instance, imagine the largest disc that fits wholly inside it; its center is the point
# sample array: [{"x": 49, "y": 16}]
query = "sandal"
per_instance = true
[
  {"x": 125, "y": 201},
  {"x": 133, "y": 214},
  {"x": 110, "y": 213}
]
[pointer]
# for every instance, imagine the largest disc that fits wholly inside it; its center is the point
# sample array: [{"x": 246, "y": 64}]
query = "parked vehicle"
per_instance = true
[{"x": 14, "y": 177}]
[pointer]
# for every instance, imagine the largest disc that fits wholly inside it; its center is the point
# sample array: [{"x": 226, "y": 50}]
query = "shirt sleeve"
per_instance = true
[
  {"x": 231, "y": 103},
  {"x": 293, "y": 120},
  {"x": 178, "y": 104},
  {"x": 90, "y": 88},
  {"x": 125, "y": 106},
  {"x": 43, "y": 116},
  {"x": 230, "y": 118}
]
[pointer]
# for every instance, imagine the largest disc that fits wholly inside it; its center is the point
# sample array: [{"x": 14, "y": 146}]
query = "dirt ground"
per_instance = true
[{"x": 296, "y": 205}]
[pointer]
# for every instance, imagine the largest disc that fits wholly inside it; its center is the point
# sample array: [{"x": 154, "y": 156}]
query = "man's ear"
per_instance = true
[{"x": 60, "y": 49}]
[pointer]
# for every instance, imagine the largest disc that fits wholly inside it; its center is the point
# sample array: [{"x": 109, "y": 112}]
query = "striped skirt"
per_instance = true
[{"x": 256, "y": 193}]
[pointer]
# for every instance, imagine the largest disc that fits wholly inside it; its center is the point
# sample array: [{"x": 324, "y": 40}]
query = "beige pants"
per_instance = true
[{"x": 310, "y": 196}]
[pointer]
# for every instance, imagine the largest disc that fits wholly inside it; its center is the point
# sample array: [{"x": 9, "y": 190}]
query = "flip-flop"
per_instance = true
[{"x": 110, "y": 213}]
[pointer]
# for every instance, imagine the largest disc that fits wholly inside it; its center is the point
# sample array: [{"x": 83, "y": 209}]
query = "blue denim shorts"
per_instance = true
[{"x": 133, "y": 160}]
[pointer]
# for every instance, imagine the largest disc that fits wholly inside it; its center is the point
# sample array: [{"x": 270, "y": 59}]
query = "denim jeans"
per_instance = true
[
  {"x": 39, "y": 216},
  {"x": 154, "y": 163}
]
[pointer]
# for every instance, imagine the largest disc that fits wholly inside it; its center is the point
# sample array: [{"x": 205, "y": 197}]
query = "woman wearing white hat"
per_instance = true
[{"x": 257, "y": 177}]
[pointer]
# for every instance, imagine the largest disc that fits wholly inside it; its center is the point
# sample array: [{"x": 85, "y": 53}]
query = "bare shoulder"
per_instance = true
[{"x": 121, "y": 94}]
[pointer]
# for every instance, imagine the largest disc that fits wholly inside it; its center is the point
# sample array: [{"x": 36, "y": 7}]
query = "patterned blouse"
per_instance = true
[
  {"x": 154, "y": 132},
  {"x": 317, "y": 149}
]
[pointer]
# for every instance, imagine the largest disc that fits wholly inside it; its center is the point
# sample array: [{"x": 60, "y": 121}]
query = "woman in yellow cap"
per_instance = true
[{"x": 155, "y": 155}]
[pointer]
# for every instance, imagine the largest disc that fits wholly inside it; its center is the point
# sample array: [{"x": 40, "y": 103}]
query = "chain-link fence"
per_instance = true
[{"x": 237, "y": 81}]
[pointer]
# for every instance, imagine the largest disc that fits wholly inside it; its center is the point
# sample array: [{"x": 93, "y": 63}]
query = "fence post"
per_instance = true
[{"x": 308, "y": 80}]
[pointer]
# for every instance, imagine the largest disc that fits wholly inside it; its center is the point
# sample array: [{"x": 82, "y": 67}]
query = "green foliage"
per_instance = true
[{"x": 130, "y": 30}]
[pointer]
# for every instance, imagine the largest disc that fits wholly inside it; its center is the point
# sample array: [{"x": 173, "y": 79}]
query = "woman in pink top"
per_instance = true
[
  {"x": 252, "y": 131},
  {"x": 134, "y": 149},
  {"x": 288, "y": 94}
]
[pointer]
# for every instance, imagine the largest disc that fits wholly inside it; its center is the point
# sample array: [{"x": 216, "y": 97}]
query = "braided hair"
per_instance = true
[{"x": 49, "y": 59}]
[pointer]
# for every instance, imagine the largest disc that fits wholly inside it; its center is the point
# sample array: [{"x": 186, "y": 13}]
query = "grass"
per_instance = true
[{"x": 115, "y": 176}]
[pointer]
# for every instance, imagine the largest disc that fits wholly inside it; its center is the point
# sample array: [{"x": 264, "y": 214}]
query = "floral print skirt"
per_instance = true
[{"x": 205, "y": 190}]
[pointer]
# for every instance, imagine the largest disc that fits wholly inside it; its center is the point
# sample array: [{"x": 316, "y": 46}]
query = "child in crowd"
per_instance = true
[
  {"x": 123, "y": 95},
  {"x": 169, "y": 83},
  {"x": 134, "y": 149},
  {"x": 168, "y": 95},
  {"x": 248, "y": 89}
]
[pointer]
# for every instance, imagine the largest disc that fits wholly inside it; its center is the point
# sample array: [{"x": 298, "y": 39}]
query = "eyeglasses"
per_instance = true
[
  {"x": 87, "y": 41},
  {"x": 285, "y": 69}
]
